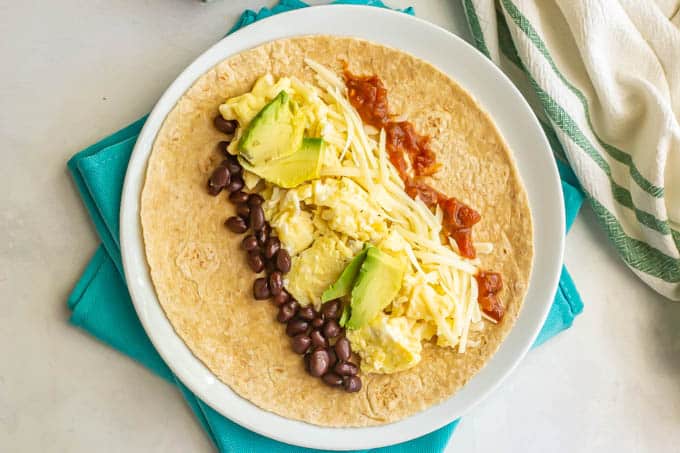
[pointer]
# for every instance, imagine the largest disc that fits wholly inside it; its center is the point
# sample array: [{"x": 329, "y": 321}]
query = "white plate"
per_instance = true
[{"x": 520, "y": 129}]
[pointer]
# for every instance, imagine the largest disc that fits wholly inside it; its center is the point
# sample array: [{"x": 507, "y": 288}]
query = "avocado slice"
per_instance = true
[
  {"x": 275, "y": 132},
  {"x": 345, "y": 315},
  {"x": 377, "y": 284},
  {"x": 343, "y": 285},
  {"x": 292, "y": 170}
]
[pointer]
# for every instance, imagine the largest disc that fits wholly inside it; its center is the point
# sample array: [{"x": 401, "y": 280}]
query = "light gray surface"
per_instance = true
[{"x": 72, "y": 72}]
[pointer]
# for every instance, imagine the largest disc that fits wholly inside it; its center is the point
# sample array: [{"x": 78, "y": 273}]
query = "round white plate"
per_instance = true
[{"x": 520, "y": 129}]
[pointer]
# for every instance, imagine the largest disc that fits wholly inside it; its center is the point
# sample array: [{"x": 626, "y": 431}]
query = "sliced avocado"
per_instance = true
[
  {"x": 292, "y": 170},
  {"x": 275, "y": 132},
  {"x": 345, "y": 315},
  {"x": 377, "y": 284},
  {"x": 343, "y": 285}
]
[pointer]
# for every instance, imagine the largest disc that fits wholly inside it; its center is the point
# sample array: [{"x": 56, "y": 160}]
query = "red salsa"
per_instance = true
[
  {"x": 411, "y": 155},
  {"x": 369, "y": 96},
  {"x": 490, "y": 284},
  {"x": 402, "y": 138},
  {"x": 458, "y": 217}
]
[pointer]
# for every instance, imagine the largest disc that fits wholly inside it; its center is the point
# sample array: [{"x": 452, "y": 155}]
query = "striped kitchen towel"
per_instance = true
[{"x": 603, "y": 76}]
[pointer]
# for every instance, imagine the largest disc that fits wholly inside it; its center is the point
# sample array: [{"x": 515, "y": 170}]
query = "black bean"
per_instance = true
[
  {"x": 332, "y": 379},
  {"x": 225, "y": 126},
  {"x": 238, "y": 197},
  {"x": 275, "y": 282},
  {"x": 234, "y": 167},
  {"x": 261, "y": 289},
  {"x": 331, "y": 329},
  {"x": 220, "y": 177},
  {"x": 214, "y": 191},
  {"x": 351, "y": 383},
  {"x": 346, "y": 368},
  {"x": 256, "y": 218},
  {"x": 235, "y": 184},
  {"x": 280, "y": 298},
  {"x": 222, "y": 146},
  {"x": 318, "y": 362},
  {"x": 269, "y": 266},
  {"x": 343, "y": 349},
  {"x": 331, "y": 309},
  {"x": 255, "y": 261},
  {"x": 283, "y": 261},
  {"x": 271, "y": 246},
  {"x": 333, "y": 358},
  {"x": 296, "y": 326},
  {"x": 305, "y": 359},
  {"x": 261, "y": 237},
  {"x": 249, "y": 243},
  {"x": 301, "y": 343},
  {"x": 255, "y": 199},
  {"x": 317, "y": 323},
  {"x": 318, "y": 340},
  {"x": 287, "y": 311},
  {"x": 236, "y": 224},
  {"x": 307, "y": 313},
  {"x": 243, "y": 211}
]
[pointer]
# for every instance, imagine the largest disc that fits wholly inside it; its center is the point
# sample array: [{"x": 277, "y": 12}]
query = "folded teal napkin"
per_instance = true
[{"x": 101, "y": 305}]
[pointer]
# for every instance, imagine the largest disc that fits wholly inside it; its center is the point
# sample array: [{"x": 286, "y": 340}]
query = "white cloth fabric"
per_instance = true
[{"x": 604, "y": 75}]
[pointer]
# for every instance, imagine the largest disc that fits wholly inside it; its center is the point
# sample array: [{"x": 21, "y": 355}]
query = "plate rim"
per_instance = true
[{"x": 131, "y": 241}]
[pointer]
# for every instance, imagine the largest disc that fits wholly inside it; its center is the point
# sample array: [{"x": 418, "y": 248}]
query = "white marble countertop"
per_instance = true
[{"x": 74, "y": 71}]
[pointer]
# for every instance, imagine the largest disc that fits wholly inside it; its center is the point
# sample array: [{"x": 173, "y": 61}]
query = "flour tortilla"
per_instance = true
[{"x": 200, "y": 273}]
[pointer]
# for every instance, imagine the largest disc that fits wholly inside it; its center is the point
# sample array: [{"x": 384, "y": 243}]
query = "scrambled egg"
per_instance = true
[
  {"x": 283, "y": 210},
  {"x": 333, "y": 217},
  {"x": 316, "y": 268},
  {"x": 387, "y": 344},
  {"x": 347, "y": 208}
]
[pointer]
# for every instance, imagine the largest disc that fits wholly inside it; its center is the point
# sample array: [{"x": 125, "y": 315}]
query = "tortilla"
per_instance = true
[{"x": 205, "y": 286}]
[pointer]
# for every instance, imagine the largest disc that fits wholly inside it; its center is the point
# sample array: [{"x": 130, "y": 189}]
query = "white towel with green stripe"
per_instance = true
[{"x": 603, "y": 76}]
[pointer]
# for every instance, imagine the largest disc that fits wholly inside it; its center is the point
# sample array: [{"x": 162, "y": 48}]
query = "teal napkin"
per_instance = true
[{"x": 101, "y": 305}]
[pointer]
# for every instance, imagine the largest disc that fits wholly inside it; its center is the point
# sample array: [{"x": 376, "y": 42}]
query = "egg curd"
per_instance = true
[{"x": 359, "y": 199}]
